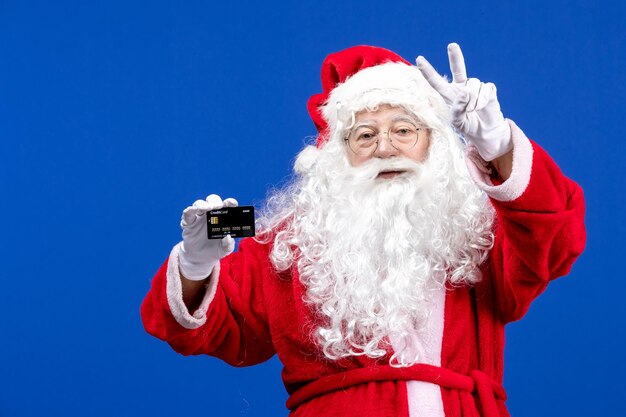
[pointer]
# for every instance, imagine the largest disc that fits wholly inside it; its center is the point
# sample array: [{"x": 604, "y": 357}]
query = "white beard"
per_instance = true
[{"x": 371, "y": 251}]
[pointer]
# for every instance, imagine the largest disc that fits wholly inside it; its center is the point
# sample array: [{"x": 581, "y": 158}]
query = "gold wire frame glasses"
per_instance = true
[{"x": 402, "y": 136}]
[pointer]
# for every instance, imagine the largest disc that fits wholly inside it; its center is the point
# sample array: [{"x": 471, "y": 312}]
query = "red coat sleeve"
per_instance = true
[
  {"x": 538, "y": 236},
  {"x": 230, "y": 324}
]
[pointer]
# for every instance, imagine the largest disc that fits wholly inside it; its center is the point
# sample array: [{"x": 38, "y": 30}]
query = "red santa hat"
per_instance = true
[{"x": 364, "y": 77}]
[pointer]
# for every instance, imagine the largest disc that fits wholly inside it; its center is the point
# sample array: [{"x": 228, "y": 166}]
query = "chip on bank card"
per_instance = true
[{"x": 234, "y": 221}]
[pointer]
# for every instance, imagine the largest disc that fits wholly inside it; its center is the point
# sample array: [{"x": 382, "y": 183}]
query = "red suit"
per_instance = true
[{"x": 251, "y": 313}]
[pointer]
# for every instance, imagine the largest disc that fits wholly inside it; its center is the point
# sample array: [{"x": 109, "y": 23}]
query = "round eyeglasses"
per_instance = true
[{"x": 402, "y": 136}]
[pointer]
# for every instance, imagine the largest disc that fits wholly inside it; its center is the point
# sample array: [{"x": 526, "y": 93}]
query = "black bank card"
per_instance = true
[{"x": 234, "y": 221}]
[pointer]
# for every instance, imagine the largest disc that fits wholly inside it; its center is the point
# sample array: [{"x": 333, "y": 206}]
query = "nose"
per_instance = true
[{"x": 385, "y": 149}]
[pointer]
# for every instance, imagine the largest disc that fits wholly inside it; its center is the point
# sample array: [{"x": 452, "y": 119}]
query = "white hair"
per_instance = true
[{"x": 370, "y": 251}]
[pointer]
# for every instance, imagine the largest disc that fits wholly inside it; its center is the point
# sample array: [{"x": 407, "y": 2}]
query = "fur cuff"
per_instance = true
[
  {"x": 517, "y": 183},
  {"x": 175, "y": 294}
]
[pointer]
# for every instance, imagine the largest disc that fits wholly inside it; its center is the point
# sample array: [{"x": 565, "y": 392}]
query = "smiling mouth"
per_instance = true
[{"x": 390, "y": 174}]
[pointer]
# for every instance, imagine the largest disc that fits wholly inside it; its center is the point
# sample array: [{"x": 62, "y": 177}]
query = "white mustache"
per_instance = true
[{"x": 372, "y": 168}]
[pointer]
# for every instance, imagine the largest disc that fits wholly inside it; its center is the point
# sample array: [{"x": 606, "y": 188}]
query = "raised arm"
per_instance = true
[
  {"x": 539, "y": 228},
  {"x": 221, "y": 314}
]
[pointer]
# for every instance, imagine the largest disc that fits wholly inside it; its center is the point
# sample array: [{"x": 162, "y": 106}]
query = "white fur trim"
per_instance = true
[
  {"x": 174, "y": 290},
  {"x": 517, "y": 183},
  {"x": 392, "y": 83},
  {"x": 424, "y": 398}
]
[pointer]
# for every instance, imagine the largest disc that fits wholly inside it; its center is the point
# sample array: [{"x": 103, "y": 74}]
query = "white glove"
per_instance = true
[
  {"x": 199, "y": 254},
  {"x": 474, "y": 105}
]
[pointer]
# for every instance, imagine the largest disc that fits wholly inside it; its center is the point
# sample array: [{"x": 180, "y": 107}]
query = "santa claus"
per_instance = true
[{"x": 383, "y": 275}]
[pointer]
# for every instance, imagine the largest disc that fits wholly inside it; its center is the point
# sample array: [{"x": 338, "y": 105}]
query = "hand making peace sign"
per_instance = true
[{"x": 474, "y": 105}]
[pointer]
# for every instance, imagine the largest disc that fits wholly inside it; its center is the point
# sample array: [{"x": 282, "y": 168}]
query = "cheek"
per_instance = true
[
  {"x": 423, "y": 154},
  {"x": 423, "y": 149},
  {"x": 419, "y": 153},
  {"x": 356, "y": 160}
]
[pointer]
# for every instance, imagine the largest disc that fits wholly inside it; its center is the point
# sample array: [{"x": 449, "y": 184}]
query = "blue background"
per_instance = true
[{"x": 114, "y": 116}]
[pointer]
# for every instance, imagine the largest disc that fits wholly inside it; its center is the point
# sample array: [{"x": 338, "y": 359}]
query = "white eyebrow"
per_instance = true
[
  {"x": 372, "y": 123},
  {"x": 404, "y": 119},
  {"x": 364, "y": 123}
]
